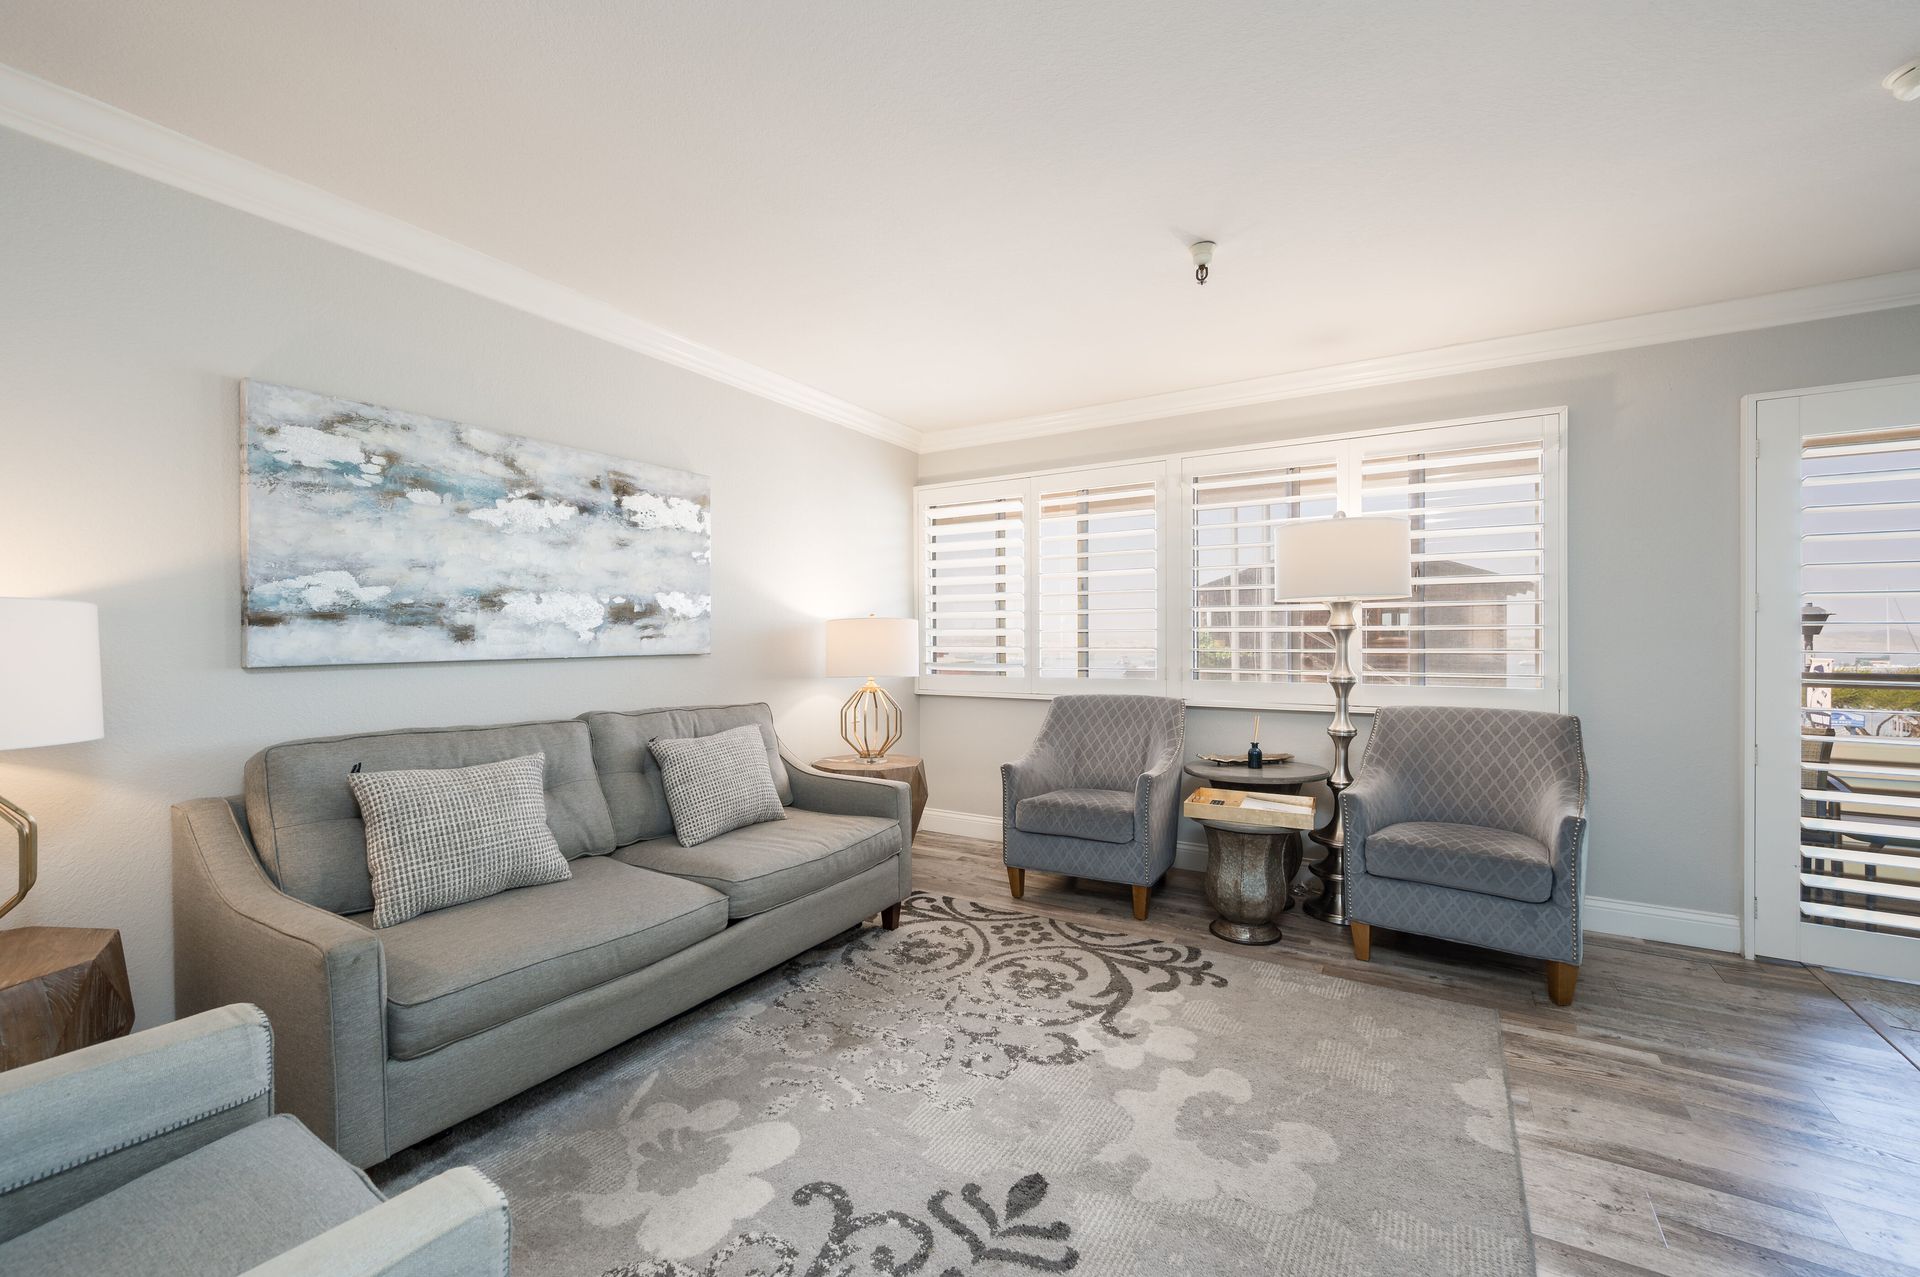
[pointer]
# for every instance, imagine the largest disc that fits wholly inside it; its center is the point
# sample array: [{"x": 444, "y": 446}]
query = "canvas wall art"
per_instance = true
[{"x": 381, "y": 536}]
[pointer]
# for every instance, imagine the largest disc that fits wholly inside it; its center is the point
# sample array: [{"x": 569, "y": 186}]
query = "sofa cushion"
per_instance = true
[
  {"x": 630, "y": 776},
  {"x": 1098, "y": 815},
  {"x": 459, "y": 971},
  {"x": 222, "y": 1209},
  {"x": 308, "y": 829},
  {"x": 1493, "y": 862},
  {"x": 764, "y": 866}
]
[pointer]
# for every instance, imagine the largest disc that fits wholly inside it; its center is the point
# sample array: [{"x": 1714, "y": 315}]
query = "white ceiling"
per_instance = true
[{"x": 964, "y": 213}]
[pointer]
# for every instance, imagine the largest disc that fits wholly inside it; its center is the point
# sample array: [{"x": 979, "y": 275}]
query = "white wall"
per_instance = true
[
  {"x": 129, "y": 313},
  {"x": 1654, "y": 554}
]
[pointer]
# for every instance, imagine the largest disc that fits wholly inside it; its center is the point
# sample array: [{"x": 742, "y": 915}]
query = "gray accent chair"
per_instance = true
[
  {"x": 1470, "y": 825},
  {"x": 389, "y": 1036},
  {"x": 1098, "y": 795},
  {"x": 161, "y": 1153}
]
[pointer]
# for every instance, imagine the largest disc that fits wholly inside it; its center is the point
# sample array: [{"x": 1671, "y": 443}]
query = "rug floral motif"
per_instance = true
[{"x": 985, "y": 1091}]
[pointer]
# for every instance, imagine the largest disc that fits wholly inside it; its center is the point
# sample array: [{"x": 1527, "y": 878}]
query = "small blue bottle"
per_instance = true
[{"x": 1255, "y": 759}]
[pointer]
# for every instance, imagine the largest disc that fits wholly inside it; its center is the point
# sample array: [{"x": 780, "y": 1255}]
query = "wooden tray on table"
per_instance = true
[{"x": 1238, "y": 807}]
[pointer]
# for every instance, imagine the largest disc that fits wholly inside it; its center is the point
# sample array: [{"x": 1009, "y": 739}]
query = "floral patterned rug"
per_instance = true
[{"x": 987, "y": 1092}]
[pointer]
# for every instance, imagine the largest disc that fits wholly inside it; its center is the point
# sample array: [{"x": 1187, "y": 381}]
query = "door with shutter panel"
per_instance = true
[{"x": 1835, "y": 660}]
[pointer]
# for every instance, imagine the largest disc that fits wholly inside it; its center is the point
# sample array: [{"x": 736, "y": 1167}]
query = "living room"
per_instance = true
[{"x": 844, "y": 638}]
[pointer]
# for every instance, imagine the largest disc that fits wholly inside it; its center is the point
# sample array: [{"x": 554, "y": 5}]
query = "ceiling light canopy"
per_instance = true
[{"x": 1905, "y": 82}]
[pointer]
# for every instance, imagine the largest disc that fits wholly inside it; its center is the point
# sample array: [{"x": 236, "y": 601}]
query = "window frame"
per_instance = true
[{"x": 1172, "y": 473}]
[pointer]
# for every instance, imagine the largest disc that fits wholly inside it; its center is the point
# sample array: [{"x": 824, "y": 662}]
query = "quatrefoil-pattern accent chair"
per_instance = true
[
  {"x": 1470, "y": 825},
  {"x": 1098, "y": 795}
]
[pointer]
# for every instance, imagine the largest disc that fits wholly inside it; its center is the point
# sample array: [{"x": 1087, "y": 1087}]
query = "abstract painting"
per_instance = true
[{"x": 381, "y": 536}]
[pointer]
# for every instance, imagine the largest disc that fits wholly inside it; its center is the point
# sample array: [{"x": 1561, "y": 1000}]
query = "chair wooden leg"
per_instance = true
[
  {"x": 1140, "y": 896},
  {"x": 1362, "y": 936},
  {"x": 1017, "y": 879},
  {"x": 1560, "y": 980},
  {"x": 890, "y": 917}
]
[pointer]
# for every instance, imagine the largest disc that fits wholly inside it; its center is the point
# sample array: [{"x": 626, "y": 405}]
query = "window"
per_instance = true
[
  {"x": 1175, "y": 554},
  {"x": 1099, "y": 574},
  {"x": 1479, "y": 546},
  {"x": 974, "y": 605}
]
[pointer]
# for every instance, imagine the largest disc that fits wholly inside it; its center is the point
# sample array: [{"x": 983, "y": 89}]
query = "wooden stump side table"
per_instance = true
[
  {"x": 61, "y": 988},
  {"x": 893, "y": 767}
]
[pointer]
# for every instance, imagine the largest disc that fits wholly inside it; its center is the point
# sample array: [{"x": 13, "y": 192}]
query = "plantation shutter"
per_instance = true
[
  {"x": 1238, "y": 635},
  {"x": 1099, "y": 581},
  {"x": 1860, "y": 680},
  {"x": 1476, "y": 617},
  {"x": 974, "y": 605}
]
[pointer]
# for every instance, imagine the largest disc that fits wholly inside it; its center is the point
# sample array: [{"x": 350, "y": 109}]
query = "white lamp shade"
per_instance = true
[
  {"x": 49, "y": 672},
  {"x": 1358, "y": 558},
  {"x": 873, "y": 647}
]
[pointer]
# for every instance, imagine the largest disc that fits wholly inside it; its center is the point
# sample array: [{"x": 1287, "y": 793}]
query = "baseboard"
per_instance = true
[
  {"x": 965, "y": 824},
  {"x": 1637, "y": 921},
  {"x": 1629, "y": 918}
]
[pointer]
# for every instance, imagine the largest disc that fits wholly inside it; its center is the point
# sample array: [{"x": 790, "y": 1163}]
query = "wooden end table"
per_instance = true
[
  {"x": 61, "y": 988},
  {"x": 893, "y": 767}
]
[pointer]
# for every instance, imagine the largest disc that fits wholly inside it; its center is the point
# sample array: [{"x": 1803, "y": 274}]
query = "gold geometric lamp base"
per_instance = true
[{"x": 871, "y": 723}]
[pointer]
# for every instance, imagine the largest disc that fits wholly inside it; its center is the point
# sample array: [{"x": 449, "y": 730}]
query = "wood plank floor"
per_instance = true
[{"x": 1691, "y": 1112}]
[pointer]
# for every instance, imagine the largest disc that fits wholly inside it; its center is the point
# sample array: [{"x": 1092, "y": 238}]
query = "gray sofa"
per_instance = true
[
  {"x": 387, "y": 1037},
  {"x": 160, "y": 1153}
]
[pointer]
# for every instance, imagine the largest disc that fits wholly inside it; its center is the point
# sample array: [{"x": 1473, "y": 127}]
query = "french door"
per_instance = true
[{"x": 1835, "y": 659}]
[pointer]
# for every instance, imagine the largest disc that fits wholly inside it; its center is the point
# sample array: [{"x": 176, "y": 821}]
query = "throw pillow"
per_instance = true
[
  {"x": 716, "y": 783},
  {"x": 446, "y": 836}
]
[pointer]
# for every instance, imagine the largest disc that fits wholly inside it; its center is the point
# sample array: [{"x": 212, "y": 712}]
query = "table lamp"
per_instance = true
[
  {"x": 1341, "y": 562},
  {"x": 49, "y": 695},
  {"x": 872, "y": 647}
]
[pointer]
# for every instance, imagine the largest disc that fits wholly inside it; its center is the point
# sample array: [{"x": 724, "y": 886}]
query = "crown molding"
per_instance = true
[
  {"x": 104, "y": 132},
  {"x": 1822, "y": 301}
]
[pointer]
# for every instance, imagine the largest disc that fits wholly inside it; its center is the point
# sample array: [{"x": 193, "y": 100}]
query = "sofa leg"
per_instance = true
[
  {"x": 890, "y": 917},
  {"x": 1362, "y": 936},
  {"x": 1560, "y": 980},
  {"x": 1140, "y": 895},
  {"x": 1017, "y": 880}
]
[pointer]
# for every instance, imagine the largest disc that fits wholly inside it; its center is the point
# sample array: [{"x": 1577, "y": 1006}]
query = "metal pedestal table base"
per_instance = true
[{"x": 1249, "y": 872}]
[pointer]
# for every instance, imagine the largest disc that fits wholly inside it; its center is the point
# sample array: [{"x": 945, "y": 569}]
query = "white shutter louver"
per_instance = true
[
  {"x": 1476, "y": 615},
  {"x": 1860, "y": 680},
  {"x": 1099, "y": 592},
  {"x": 974, "y": 606}
]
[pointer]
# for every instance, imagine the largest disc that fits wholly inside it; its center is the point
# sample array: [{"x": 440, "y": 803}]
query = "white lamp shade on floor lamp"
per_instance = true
[
  {"x": 49, "y": 673},
  {"x": 1342, "y": 559},
  {"x": 873, "y": 647}
]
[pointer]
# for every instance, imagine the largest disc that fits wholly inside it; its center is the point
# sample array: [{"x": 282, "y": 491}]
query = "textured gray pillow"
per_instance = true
[
  {"x": 716, "y": 783},
  {"x": 446, "y": 836}
]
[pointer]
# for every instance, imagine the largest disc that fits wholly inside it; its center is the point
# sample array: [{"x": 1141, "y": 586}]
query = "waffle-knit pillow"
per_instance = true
[
  {"x": 449, "y": 835},
  {"x": 716, "y": 783}
]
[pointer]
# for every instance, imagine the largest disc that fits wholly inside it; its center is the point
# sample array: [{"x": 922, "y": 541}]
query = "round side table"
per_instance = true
[
  {"x": 904, "y": 767},
  {"x": 1250, "y": 871}
]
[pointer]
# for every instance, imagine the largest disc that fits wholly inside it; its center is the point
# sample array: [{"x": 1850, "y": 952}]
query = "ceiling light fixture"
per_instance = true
[
  {"x": 1905, "y": 83},
  {"x": 1202, "y": 255}
]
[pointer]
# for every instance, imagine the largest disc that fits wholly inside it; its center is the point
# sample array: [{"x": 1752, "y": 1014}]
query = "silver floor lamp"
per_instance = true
[{"x": 1342, "y": 562}]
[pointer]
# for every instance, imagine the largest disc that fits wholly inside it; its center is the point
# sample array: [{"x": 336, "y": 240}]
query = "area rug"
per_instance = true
[{"x": 985, "y": 1091}]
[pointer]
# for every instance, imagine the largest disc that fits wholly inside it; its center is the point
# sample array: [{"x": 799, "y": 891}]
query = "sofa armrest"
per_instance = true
[
  {"x": 454, "y": 1225},
  {"x": 1371, "y": 803},
  {"x": 82, "y": 1124},
  {"x": 858, "y": 796},
  {"x": 320, "y": 978}
]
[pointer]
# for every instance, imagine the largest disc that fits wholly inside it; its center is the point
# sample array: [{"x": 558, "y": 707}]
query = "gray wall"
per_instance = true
[
  {"x": 1654, "y": 561},
  {"x": 129, "y": 312}
]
